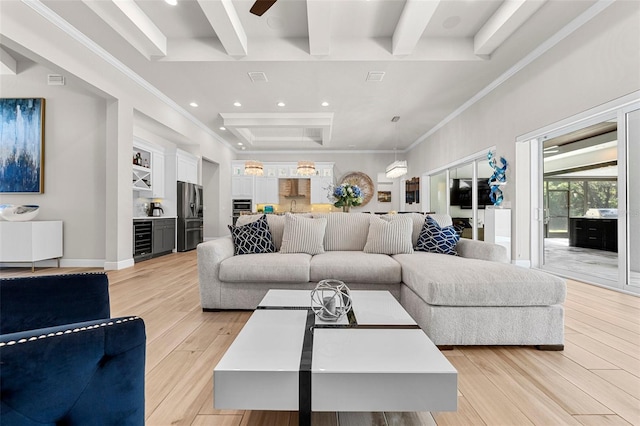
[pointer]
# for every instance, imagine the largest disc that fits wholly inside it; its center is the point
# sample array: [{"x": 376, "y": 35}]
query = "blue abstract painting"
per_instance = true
[{"x": 22, "y": 145}]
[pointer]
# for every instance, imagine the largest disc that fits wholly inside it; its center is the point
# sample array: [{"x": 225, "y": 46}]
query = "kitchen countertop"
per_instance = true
[{"x": 154, "y": 217}]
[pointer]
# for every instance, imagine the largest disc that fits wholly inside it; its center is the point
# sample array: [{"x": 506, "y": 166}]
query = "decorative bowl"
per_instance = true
[{"x": 15, "y": 213}]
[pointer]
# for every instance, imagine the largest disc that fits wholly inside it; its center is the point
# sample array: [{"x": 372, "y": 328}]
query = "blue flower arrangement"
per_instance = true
[{"x": 347, "y": 195}]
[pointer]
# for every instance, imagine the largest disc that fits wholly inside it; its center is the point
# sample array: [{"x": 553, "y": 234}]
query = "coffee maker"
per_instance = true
[{"x": 155, "y": 209}]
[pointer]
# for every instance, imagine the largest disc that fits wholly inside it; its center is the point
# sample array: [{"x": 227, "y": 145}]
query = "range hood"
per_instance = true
[{"x": 293, "y": 188}]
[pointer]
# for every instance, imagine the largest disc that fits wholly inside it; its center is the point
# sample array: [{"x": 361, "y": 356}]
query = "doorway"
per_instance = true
[
  {"x": 590, "y": 163},
  {"x": 580, "y": 180}
]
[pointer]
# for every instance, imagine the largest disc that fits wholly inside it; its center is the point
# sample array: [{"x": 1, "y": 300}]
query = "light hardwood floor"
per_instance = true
[{"x": 594, "y": 381}]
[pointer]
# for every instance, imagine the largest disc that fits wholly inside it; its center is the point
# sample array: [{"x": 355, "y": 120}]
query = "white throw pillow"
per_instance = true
[
  {"x": 390, "y": 236},
  {"x": 303, "y": 234}
]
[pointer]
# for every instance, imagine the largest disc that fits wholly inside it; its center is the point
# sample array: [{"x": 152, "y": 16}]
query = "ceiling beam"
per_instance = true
[
  {"x": 507, "y": 19},
  {"x": 126, "y": 18},
  {"x": 319, "y": 24},
  {"x": 8, "y": 64},
  {"x": 225, "y": 22},
  {"x": 412, "y": 23}
]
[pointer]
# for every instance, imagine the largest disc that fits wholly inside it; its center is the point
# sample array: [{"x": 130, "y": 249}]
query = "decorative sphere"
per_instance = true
[{"x": 330, "y": 300}]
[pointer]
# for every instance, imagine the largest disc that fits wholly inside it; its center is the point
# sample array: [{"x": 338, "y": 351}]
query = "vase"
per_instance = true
[{"x": 345, "y": 209}]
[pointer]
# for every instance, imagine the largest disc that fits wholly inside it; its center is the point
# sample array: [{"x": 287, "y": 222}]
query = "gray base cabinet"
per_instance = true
[
  {"x": 153, "y": 238},
  {"x": 164, "y": 236}
]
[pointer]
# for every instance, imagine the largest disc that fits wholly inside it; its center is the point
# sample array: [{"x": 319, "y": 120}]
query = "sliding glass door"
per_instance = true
[{"x": 589, "y": 227}]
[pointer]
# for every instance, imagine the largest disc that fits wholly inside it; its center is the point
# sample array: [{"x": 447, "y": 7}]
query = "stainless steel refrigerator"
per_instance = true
[{"x": 190, "y": 223}]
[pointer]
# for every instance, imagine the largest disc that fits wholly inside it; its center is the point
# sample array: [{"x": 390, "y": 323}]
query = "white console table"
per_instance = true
[{"x": 31, "y": 241}]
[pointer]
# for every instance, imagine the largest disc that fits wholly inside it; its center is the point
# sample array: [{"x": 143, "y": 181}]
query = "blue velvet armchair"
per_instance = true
[{"x": 62, "y": 359}]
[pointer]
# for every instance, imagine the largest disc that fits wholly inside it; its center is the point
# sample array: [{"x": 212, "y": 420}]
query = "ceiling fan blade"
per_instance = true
[{"x": 261, "y": 6}]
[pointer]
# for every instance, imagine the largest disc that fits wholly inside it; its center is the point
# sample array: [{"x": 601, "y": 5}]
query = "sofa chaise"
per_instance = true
[{"x": 474, "y": 297}]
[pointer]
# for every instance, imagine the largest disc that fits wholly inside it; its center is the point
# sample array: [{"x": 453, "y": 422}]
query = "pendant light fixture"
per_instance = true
[
  {"x": 397, "y": 168},
  {"x": 306, "y": 168},
  {"x": 253, "y": 167}
]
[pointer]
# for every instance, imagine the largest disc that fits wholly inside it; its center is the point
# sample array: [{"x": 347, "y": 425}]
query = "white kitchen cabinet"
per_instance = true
[
  {"x": 187, "y": 167},
  {"x": 31, "y": 241},
  {"x": 266, "y": 190},
  {"x": 242, "y": 187},
  {"x": 157, "y": 169},
  {"x": 320, "y": 187},
  {"x": 141, "y": 169}
]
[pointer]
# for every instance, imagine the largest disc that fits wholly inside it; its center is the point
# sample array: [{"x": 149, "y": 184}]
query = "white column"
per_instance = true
[{"x": 119, "y": 198}]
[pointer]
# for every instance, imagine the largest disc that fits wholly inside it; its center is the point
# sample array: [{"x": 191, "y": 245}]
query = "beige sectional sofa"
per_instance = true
[{"x": 474, "y": 298}]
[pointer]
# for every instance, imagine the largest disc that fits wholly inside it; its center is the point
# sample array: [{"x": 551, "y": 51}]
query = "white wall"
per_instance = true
[
  {"x": 74, "y": 173},
  {"x": 599, "y": 62}
]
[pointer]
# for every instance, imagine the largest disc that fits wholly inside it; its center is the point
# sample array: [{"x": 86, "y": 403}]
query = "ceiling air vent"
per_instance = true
[
  {"x": 55, "y": 80},
  {"x": 375, "y": 75},
  {"x": 258, "y": 77}
]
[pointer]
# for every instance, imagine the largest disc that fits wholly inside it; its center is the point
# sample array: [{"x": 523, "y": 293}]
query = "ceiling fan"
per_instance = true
[{"x": 261, "y": 6}]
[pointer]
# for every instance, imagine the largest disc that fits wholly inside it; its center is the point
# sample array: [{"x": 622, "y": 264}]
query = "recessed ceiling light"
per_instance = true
[
  {"x": 223, "y": 128},
  {"x": 240, "y": 143},
  {"x": 238, "y": 104},
  {"x": 244, "y": 147},
  {"x": 281, "y": 104},
  {"x": 194, "y": 104},
  {"x": 171, "y": 2},
  {"x": 325, "y": 104}
]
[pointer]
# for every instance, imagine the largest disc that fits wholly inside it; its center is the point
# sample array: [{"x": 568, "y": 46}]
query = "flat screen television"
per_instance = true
[{"x": 461, "y": 193}]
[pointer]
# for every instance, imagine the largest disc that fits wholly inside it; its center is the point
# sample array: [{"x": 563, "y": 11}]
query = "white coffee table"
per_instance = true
[{"x": 287, "y": 359}]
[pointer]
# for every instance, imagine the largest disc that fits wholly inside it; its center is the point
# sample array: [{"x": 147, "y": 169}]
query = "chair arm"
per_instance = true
[
  {"x": 482, "y": 250},
  {"x": 28, "y": 303},
  {"x": 83, "y": 373}
]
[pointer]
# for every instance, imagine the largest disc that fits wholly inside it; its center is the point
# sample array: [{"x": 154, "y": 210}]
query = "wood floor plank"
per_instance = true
[
  {"x": 612, "y": 355},
  {"x": 576, "y": 287},
  {"x": 622, "y": 345},
  {"x": 607, "y": 327},
  {"x": 616, "y": 399},
  {"x": 489, "y": 401},
  {"x": 611, "y": 317},
  {"x": 361, "y": 419},
  {"x": 266, "y": 418},
  {"x": 162, "y": 346},
  {"x": 187, "y": 396},
  {"x": 631, "y": 312},
  {"x": 465, "y": 416},
  {"x": 585, "y": 358},
  {"x": 217, "y": 420},
  {"x": 611, "y": 420},
  {"x": 519, "y": 388},
  {"x": 167, "y": 374},
  {"x": 565, "y": 393},
  {"x": 422, "y": 418},
  {"x": 623, "y": 380}
]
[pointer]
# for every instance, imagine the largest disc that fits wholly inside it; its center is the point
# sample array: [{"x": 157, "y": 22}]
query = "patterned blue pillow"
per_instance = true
[
  {"x": 435, "y": 239},
  {"x": 254, "y": 237}
]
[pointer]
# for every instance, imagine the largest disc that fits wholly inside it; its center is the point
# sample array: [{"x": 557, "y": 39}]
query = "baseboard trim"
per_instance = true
[
  {"x": 53, "y": 263},
  {"x": 523, "y": 263},
  {"x": 116, "y": 266}
]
